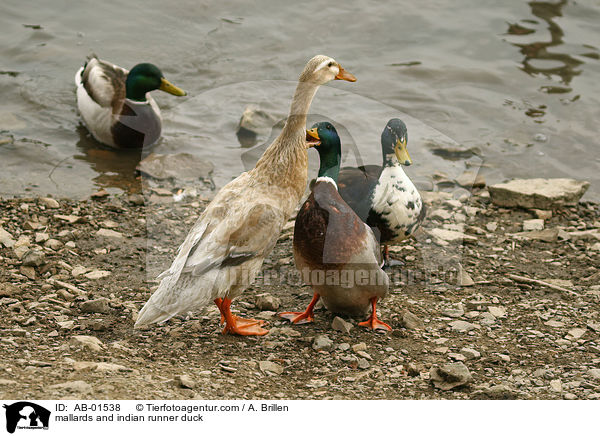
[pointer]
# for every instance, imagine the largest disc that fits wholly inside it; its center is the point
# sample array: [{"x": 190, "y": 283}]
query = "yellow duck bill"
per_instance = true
[
  {"x": 402, "y": 153},
  {"x": 312, "y": 138},
  {"x": 167, "y": 86}
]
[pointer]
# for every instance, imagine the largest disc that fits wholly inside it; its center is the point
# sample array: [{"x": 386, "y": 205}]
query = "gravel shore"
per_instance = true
[{"x": 491, "y": 303}]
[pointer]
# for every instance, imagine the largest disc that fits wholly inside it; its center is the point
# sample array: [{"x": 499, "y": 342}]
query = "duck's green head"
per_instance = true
[
  {"x": 326, "y": 140},
  {"x": 393, "y": 142},
  {"x": 144, "y": 78}
]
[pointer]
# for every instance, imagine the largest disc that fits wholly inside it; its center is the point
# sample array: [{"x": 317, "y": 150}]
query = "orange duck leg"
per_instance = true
[
  {"x": 302, "y": 317},
  {"x": 373, "y": 322},
  {"x": 236, "y": 325}
]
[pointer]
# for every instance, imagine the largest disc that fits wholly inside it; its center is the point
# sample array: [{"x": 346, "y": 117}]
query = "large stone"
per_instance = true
[
  {"x": 341, "y": 325},
  {"x": 450, "y": 376},
  {"x": 181, "y": 166},
  {"x": 538, "y": 193}
]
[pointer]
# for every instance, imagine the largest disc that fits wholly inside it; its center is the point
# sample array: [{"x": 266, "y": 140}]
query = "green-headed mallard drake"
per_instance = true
[
  {"x": 226, "y": 247},
  {"x": 115, "y": 105},
  {"x": 384, "y": 196},
  {"x": 335, "y": 251}
]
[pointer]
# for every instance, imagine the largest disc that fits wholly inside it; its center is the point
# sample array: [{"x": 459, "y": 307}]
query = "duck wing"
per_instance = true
[
  {"x": 104, "y": 82},
  {"x": 356, "y": 186},
  {"x": 223, "y": 251}
]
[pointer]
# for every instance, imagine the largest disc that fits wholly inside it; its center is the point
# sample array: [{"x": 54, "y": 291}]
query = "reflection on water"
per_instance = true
[
  {"x": 539, "y": 59},
  {"x": 115, "y": 168}
]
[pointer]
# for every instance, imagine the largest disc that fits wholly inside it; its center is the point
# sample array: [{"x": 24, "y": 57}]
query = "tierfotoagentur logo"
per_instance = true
[{"x": 24, "y": 415}]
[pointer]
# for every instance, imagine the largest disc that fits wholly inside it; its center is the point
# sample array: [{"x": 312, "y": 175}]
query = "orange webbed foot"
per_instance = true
[
  {"x": 236, "y": 325},
  {"x": 374, "y": 323},
  {"x": 245, "y": 327},
  {"x": 302, "y": 317},
  {"x": 298, "y": 317}
]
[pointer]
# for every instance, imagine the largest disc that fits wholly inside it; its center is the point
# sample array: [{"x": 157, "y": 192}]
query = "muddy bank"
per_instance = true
[{"x": 515, "y": 315}]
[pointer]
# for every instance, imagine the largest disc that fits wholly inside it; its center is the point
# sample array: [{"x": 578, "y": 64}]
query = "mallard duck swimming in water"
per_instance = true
[
  {"x": 115, "y": 105},
  {"x": 335, "y": 251},
  {"x": 384, "y": 196},
  {"x": 225, "y": 249}
]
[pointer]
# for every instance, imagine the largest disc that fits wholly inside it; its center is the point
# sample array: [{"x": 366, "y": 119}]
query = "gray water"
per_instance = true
[{"x": 516, "y": 79}]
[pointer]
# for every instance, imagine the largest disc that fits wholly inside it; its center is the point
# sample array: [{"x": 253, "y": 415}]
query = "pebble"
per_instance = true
[
  {"x": 491, "y": 226},
  {"x": 411, "y": 321},
  {"x": 78, "y": 270},
  {"x": 34, "y": 257},
  {"x": 270, "y": 368},
  {"x": 361, "y": 346},
  {"x": 41, "y": 237},
  {"x": 457, "y": 356},
  {"x": 341, "y": 325},
  {"x": 542, "y": 214},
  {"x": 108, "y": 233},
  {"x": 6, "y": 238},
  {"x": 97, "y": 274},
  {"x": 464, "y": 279},
  {"x": 577, "y": 333},
  {"x": 533, "y": 224},
  {"x": 53, "y": 244},
  {"x": 450, "y": 376},
  {"x": 90, "y": 342},
  {"x": 99, "y": 305},
  {"x": 594, "y": 373},
  {"x": 497, "y": 311},
  {"x": 497, "y": 392},
  {"x": 50, "y": 203},
  {"x": 462, "y": 326},
  {"x": 556, "y": 386},
  {"x": 185, "y": 381},
  {"x": 322, "y": 342},
  {"x": 75, "y": 386},
  {"x": 470, "y": 353},
  {"x": 9, "y": 290},
  {"x": 267, "y": 302}
]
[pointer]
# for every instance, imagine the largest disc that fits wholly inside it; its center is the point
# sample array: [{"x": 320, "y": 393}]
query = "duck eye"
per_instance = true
[{"x": 330, "y": 64}]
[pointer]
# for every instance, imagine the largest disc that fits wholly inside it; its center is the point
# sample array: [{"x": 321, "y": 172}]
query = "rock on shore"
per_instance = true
[{"x": 538, "y": 193}]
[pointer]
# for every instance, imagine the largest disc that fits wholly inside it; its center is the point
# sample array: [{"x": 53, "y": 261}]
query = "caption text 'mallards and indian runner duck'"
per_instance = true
[
  {"x": 116, "y": 106},
  {"x": 335, "y": 251},
  {"x": 225, "y": 249},
  {"x": 384, "y": 196}
]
